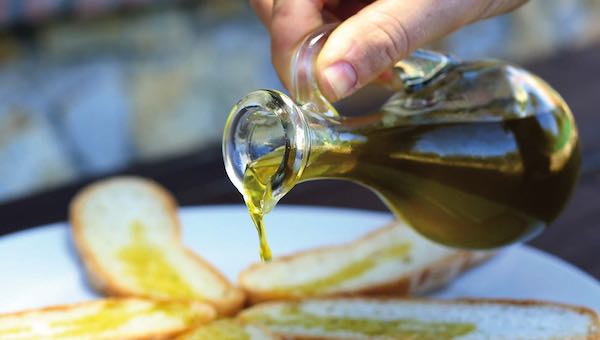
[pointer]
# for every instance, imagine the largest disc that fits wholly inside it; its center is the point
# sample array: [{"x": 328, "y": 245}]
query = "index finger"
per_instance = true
[
  {"x": 263, "y": 9},
  {"x": 291, "y": 21}
]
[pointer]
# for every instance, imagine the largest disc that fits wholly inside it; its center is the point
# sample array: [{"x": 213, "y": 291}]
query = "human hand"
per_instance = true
[{"x": 372, "y": 35}]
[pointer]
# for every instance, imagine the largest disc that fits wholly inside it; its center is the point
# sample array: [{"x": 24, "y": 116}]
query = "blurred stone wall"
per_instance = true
[
  {"x": 538, "y": 29},
  {"x": 81, "y": 98},
  {"x": 84, "y": 97}
]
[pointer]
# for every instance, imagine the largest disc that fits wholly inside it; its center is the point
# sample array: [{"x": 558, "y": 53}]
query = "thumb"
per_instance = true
[{"x": 371, "y": 41}]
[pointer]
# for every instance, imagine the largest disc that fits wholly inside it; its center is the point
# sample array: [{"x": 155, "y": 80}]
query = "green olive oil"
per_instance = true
[{"x": 470, "y": 184}]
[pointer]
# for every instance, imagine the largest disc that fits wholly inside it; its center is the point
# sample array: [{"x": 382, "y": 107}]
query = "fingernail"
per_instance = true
[{"x": 341, "y": 77}]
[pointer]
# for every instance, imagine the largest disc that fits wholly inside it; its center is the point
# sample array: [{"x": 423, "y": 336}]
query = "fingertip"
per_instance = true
[
  {"x": 338, "y": 66},
  {"x": 264, "y": 10},
  {"x": 338, "y": 80}
]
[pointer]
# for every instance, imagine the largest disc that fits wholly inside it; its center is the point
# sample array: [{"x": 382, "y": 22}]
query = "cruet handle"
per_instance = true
[
  {"x": 408, "y": 74},
  {"x": 305, "y": 89}
]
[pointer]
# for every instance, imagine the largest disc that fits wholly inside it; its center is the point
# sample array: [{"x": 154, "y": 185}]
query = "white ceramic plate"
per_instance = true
[{"x": 39, "y": 267}]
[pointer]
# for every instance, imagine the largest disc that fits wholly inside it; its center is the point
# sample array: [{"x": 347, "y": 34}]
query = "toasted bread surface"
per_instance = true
[
  {"x": 397, "y": 318},
  {"x": 116, "y": 318},
  {"x": 127, "y": 233},
  {"x": 392, "y": 260}
]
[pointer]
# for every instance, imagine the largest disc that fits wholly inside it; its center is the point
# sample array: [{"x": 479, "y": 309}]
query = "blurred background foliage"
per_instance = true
[{"x": 89, "y": 87}]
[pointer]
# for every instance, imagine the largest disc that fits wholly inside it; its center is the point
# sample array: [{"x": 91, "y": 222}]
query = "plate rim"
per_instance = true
[
  {"x": 188, "y": 209},
  {"x": 189, "y": 213}
]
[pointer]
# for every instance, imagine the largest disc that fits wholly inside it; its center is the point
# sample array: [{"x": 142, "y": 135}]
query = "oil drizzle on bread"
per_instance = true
[
  {"x": 97, "y": 320},
  {"x": 292, "y": 317},
  {"x": 150, "y": 268},
  {"x": 355, "y": 269},
  {"x": 112, "y": 316},
  {"x": 14, "y": 330},
  {"x": 221, "y": 329}
]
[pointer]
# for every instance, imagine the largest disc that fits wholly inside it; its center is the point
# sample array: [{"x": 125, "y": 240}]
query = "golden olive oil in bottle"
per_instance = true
[
  {"x": 470, "y": 154},
  {"x": 470, "y": 184}
]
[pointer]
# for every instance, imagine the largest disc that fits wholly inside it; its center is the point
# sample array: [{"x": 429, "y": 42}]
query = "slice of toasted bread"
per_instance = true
[
  {"x": 117, "y": 318},
  {"x": 378, "y": 318},
  {"x": 127, "y": 233},
  {"x": 228, "y": 329},
  {"x": 391, "y": 260}
]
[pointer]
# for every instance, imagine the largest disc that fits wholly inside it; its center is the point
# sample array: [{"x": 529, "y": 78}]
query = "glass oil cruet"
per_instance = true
[{"x": 470, "y": 154}]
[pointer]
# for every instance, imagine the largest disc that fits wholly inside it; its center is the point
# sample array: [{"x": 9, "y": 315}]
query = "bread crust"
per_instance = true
[
  {"x": 593, "y": 330},
  {"x": 434, "y": 276},
  {"x": 208, "y": 315},
  {"x": 103, "y": 281}
]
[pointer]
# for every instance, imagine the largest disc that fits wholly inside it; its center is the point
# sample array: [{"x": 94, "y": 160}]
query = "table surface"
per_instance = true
[{"x": 199, "y": 178}]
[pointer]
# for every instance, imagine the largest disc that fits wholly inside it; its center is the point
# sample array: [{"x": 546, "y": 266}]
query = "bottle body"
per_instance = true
[
  {"x": 481, "y": 173},
  {"x": 484, "y": 194},
  {"x": 471, "y": 155}
]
